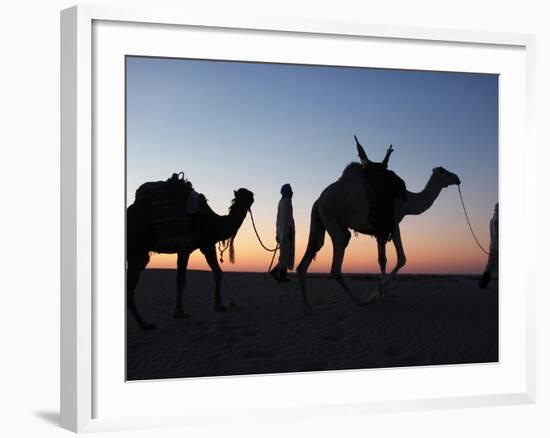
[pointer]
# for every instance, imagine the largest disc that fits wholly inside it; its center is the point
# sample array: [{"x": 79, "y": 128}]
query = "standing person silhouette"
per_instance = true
[
  {"x": 492, "y": 262},
  {"x": 285, "y": 235}
]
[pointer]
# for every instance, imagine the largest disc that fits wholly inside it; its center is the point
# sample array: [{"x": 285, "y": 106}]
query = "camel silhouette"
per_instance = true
[
  {"x": 344, "y": 205},
  {"x": 207, "y": 228}
]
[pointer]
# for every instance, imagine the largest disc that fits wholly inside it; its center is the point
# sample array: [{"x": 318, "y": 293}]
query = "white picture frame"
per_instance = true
[{"x": 85, "y": 374}]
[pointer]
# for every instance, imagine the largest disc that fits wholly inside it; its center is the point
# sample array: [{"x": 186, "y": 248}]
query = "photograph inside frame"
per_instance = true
[{"x": 296, "y": 218}]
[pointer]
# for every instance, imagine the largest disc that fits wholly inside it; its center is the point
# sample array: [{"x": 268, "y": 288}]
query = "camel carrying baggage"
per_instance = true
[{"x": 343, "y": 206}]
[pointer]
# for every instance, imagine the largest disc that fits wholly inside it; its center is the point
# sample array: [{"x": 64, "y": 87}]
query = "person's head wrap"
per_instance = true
[{"x": 286, "y": 191}]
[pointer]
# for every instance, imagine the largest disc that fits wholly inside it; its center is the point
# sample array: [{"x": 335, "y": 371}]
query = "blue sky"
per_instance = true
[{"x": 230, "y": 124}]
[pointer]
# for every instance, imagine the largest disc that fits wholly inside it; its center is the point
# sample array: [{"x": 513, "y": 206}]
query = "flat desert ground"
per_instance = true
[{"x": 428, "y": 320}]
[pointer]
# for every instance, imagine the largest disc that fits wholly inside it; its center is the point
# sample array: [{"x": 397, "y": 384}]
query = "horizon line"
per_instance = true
[{"x": 322, "y": 273}]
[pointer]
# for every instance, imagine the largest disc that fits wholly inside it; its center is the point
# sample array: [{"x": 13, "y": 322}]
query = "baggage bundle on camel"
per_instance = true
[
  {"x": 174, "y": 188},
  {"x": 172, "y": 203},
  {"x": 383, "y": 188}
]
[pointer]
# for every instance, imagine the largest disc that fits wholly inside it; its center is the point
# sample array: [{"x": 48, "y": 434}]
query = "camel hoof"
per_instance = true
[
  {"x": 220, "y": 308},
  {"x": 181, "y": 315}
]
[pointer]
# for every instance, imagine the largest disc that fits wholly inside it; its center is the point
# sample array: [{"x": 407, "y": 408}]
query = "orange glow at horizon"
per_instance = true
[{"x": 429, "y": 248}]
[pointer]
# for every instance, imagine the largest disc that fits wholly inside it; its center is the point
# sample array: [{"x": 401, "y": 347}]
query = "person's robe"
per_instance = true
[
  {"x": 492, "y": 262},
  {"x": 285, "y": 234}
]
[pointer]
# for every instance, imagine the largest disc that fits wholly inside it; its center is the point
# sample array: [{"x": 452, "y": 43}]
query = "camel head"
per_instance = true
[
  {"x": 243, "y": 197},
  {"x": 444, "y": 177}
]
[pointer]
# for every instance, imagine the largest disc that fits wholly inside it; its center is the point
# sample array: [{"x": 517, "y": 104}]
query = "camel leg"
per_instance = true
[
  {"x": 382, "y": 260},
  {"x": 183, "y": 259},
  {"x": 136, "y": 264},
  {"x": 315, "y": 243},
  {"x": 212, "y": 260},
  {"x": 401, "y": 259},
  {"x": 301, "y": 270},
  {"x": 340, "y": 237}
]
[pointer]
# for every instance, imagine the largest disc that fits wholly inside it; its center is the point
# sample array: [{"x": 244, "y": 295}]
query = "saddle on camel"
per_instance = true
[
  {"x": 170, "y": 203},
  {"x": 383, "y": 188}
]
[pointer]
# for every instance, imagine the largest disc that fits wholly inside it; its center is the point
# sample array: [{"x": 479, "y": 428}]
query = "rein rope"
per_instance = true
[
  {"x": 469, "y": 224},
  {"x": 274, "y": 250},
  {"x": 258, "y": 236},
  {"x": 222, "y": 248}
]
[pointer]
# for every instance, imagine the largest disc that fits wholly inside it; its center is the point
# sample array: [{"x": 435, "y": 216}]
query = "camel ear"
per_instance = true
[{"x": 235, "y": 192}]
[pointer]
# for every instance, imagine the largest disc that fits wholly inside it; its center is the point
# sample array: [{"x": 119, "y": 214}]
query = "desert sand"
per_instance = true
[{"x": 429, "y": 320}]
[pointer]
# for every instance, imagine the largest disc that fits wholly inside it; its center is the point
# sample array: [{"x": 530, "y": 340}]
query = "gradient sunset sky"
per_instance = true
[{"x": 232, "y": 124}]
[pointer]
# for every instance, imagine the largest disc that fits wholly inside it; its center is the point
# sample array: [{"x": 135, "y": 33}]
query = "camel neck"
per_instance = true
[
  {"x": 418, "y": 203},
  {"x": 233, "y": 221}
]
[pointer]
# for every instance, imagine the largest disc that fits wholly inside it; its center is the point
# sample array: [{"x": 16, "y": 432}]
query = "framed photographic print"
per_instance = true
[{"x": 289, "y": 218}]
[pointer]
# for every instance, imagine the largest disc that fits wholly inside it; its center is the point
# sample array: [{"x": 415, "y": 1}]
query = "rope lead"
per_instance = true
[
  {"x": 469, "y": 224},
  {"x": 258, "y": 236},
  {"x": 274, "y": 251}
]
